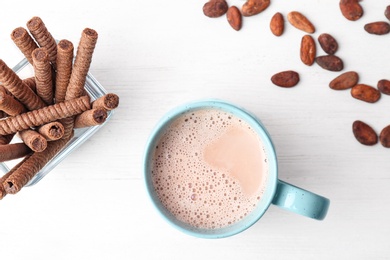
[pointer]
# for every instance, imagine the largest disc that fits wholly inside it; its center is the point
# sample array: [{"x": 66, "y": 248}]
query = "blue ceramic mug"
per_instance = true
[{"x": 277, "y": 192}]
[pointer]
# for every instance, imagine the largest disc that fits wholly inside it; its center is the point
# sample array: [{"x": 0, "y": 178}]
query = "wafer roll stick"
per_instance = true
[
  {"x": 15, "y": 85},
  {"x": 44, "y": 115},
  {"x": 43, "y": 76},
  {"x": 43, "y": 37},
  {"x": 68, "y": 124},
  {"x": 92, "y": 117},
  {"x": 82, "y": 63},
  {"x": 64, "y": 68},
  {"x": 13, "y": 151},
  {"x": 52, "y": 131},
  {"x": 30, "y": 82},
  {"x": 33, "y": 140},
  {"x": 109, "y": 101},
  {"x": 30, "y": 167},
  {"x": 24, "y": 42},
  {"x": 10, "y": 105},
  {"x": 3, "y": 192},
  {"x": 6, "y": 139}
]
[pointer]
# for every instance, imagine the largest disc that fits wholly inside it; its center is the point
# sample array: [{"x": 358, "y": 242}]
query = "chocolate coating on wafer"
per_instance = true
[
  {"x": 10, "y": 105},
  {"x": 92, "y": 117},
  {"x": 64, "y": 68},
  {"x": 24, "y": 42},
  {"x": 82, "y": 63},
  {"x": 52, "y": 131},
  {"x": 3, "y": 192},
  {"x": 109, "y": 101},
  {"x": 44, "y": 38},
  {"x": 6, "y": 139},
  {"x": 43, "y": 75},
  {"x": 30, "y": 82},
  {"x": 34, "y": 140},
  {"x": 31, "y": 166},
  {"x": 15, "y": 85},
  {"x": 44, "y": 115},
  {"x": 13, "y": 151}
]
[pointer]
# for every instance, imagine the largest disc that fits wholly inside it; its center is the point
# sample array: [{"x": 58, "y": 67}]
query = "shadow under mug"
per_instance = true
[{"x": 277, "y": 192}]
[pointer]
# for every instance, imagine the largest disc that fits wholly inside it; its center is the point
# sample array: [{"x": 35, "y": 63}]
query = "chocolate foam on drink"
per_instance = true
[{"x": 200, "y": 176}]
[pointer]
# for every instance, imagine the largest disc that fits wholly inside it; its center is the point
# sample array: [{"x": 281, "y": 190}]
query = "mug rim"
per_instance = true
[{"x": 265, "y": 137}]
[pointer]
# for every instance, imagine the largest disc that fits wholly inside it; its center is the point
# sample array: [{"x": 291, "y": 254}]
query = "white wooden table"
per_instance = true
[{"x": 158, "y": 54}]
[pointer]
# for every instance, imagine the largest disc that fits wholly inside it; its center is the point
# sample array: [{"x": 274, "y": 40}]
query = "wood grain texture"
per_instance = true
[{"x": 159, "y": 54}]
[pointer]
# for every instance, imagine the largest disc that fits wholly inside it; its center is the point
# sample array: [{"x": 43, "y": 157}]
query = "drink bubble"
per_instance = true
[{"x": 194, "y": 196}]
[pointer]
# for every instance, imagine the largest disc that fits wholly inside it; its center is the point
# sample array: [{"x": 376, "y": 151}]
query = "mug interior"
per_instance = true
[{"x": 271, "y": 182}]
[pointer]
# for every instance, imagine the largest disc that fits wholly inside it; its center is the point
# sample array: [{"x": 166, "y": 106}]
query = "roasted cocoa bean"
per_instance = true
[
  {"x": 384, "y": 86},
  {"x": 299, "y": 21},
  {"x": 253, "y": 7},
  {"x": 351, "y": 9},
  {"x": 364, "y": 133},
  {"x": 387, "y": 12},
  {"x": 308, "y": 50},
  {"x": 344, "y": 81},
  {"x": 277, "y": 24},
  {"x": 384, "y": 136},
  {"x": 285, "y": 79},
  {"x": 330, "y": 62},
  {"x": 215, "y": 8},
  {"x": 378, "y": 28},
  {"x": 365, "y": 93},
  {"x": 328, "y": 43},
  {"x": 234, "y": 18}
]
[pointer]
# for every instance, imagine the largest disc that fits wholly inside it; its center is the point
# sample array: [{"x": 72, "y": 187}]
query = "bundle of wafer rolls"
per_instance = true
[{"x": 43, "y": 110}]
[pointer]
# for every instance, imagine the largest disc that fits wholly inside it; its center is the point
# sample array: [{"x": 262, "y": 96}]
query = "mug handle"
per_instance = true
[{"x": 300, "y": 201}]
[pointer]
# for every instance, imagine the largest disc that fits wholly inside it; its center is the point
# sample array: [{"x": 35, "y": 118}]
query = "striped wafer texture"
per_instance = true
[
  {"x": 15, "y": 85},
  {"x": 24, "y": 42},
  {"x": 108, "y": 101},
  {"x": 91, "y": 117},
  {"x": 13, "y": 151},
  {"x": 10, "y": 105},
  {"x": 3, "y": 192},
  {"x": 82, "y": 63},
  {"x": 44, "y": 115},
  {"x": 6, "y": 139},
  {"x": 43, "y": 37},
  {"x": 34, "y": 140},
  {"x": 43, "y": 76},
  {"x": 31, "y": 166},
  {"x": 30, "y": 82},
  {"x": 64, "y": 68},
  {"x": 52, "y": 131}
]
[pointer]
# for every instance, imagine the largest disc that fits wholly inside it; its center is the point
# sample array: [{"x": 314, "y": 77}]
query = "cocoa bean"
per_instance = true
[
  {"x": 277, "y": 24},
  {"x": 308, "y": 50},
  {"x": 344, "y": 81},
  {"x": 328, "y": 43},
  {"x": 351, "y": 9},
  {"x": 384, "y": 86},
  {"x": 378, "y": 28},
  {"x": 330, "y": 62},
  {"x": 365, "y": 93},
  {"x": 215, "y": 8},
  {"x": 364, "y": 133},
  {"x": 299, "y": 21},
  {"x": 234, "y": 18},
  {"x": 384, "y": 136},
  {"x": 387, "y": 12},
  {"x": 285, "y": 79},
  {"x": 253, "y": 7}
]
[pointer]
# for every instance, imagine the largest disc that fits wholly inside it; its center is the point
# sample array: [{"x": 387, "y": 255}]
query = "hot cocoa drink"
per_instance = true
[{"x": 209, "y": 168}]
